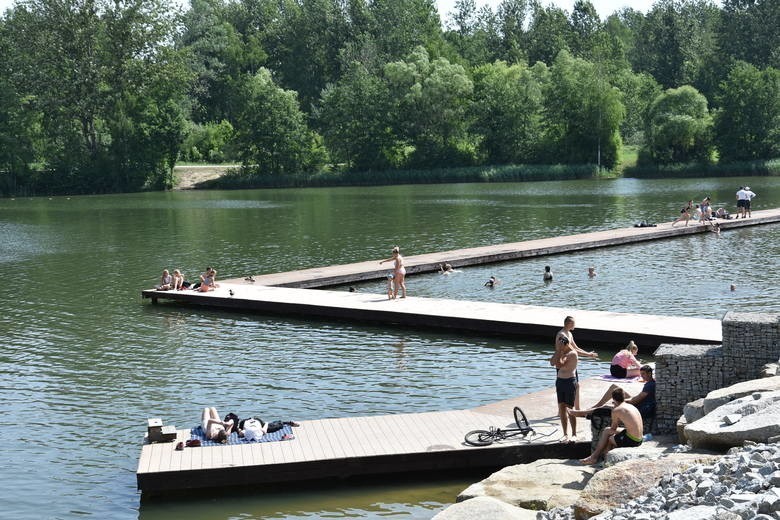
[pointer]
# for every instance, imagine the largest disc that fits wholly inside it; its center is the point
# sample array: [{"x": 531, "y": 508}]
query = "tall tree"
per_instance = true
[
  {"x": 507, "y": 112},
  {"x": 583, "y": 113},
  {"x": 675, "y": 40},
  {"x": 548, "y": 34},
  {"x": 750, "y": 31},
  {"x": 747, "y": 125},
  {"x": 82, "y": 62},
  {"x": 586, "y": 25},
  {"x": 431, "y": 102},
  {"x": 679, "y": 128},
  {"x": 271, "y": 130},
  {"x": 354, "y": 119}
]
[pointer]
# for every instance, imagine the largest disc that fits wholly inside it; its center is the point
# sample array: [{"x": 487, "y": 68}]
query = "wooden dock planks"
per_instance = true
[
  {"x": 350, "y": 446},
  {"x": 429, "y": 262},
  {"x": 283, "y": 293}
]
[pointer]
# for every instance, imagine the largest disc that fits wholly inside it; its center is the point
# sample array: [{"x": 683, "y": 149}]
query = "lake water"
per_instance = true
[{"x": 86, "y": 361}]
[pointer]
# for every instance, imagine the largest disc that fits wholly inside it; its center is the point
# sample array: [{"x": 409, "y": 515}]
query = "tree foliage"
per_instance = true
[
  {"x": 271, "y": 130},
  {"x": 679, "y": 127},
  {"x": 106, "y": 95},
  {"x": 747, "y": 126}
]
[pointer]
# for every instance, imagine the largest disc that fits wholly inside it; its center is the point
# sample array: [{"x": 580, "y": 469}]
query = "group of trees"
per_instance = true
[{"x": 106, "y": 95}]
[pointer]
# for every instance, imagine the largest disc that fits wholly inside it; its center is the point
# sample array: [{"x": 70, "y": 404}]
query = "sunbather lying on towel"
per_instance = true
[{"x": 214, "y": 428}]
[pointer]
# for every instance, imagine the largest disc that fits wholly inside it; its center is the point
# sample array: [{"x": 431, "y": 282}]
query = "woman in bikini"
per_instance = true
[
  {"x": 399, "y": 272},
  {"x": 214, "y": 428}
]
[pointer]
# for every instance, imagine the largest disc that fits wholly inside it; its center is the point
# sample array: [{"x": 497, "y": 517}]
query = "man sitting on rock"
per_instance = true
[
  {"x": 613, "y": 437},
  {"x": 644, "y": 400}
]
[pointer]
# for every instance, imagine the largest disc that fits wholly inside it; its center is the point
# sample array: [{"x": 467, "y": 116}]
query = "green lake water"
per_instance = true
[{"x": 86, "y": 361}]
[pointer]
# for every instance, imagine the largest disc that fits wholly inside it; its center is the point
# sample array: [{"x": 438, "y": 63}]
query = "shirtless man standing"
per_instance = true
[
  {"x": 565, "y": 333},
  {"x": 565, "y": 360},
  {"x": 613, "y": 437}
]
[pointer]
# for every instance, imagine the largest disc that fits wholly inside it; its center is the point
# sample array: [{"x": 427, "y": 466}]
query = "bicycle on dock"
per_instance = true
[{"x": 488, "y": 437}]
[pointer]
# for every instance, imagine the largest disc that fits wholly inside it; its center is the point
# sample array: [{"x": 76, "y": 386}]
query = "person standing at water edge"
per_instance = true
[
  {"x": 565, "y": 359},
  {"x": 399, "y": 272},
  {"x": 741, "y": 198},
  {"x": 748, "y": 199}
]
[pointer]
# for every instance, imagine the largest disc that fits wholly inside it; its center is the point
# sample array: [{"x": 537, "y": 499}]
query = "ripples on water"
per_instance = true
[{"x": 85, "y": 362}]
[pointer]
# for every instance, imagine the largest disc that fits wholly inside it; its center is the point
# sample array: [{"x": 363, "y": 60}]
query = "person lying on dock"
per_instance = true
[
  {"x": 166, "y": 281},
  {"x": 214, "y": 428},
  {"x": 629, "y": 436}
]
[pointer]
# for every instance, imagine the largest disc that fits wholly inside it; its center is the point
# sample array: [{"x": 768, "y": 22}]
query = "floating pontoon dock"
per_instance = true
[{"x": 374, "y": 445}]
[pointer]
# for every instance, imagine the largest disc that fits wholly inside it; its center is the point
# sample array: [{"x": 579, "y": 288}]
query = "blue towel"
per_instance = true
[{"x": 233, "y": 438}]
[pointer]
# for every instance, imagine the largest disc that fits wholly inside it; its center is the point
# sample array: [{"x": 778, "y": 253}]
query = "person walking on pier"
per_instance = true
[
  {"x": 685, "y": 214},
  {"x": 399, "y": 272}
]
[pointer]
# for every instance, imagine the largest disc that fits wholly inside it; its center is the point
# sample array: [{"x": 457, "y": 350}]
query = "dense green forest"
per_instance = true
[{"x": 107, "y": 95}]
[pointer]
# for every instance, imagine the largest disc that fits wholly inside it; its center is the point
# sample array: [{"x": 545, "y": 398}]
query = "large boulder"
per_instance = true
[
  {"x": 610, "y": 487},
  {"x": 540, "y": 485},
  {"x": 758, "y": 422},
  {"x": 722, "y": 396},
  {"x": 485, "y": 507}
]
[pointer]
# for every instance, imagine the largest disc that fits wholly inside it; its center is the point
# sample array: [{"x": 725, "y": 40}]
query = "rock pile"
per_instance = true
[{"x": 744, "y": 484}]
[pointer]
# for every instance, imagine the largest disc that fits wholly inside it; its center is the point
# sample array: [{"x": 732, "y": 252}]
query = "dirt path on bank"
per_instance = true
[{"x": 187, "y": 177}]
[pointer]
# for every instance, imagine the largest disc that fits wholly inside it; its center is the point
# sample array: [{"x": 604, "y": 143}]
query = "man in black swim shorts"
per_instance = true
[
  {"x": 614, "y": 437},
  {"x": 624, "y": 440}
]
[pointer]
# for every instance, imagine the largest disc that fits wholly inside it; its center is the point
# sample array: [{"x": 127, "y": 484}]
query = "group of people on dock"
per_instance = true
[
  {"x": 628, "y": 412},
  {"x": 176, "y": 282},
  {"x": 705, "y": 214}
]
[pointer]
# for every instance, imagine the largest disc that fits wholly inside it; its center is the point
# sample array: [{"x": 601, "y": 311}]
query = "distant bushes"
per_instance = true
[
  {"x": 768, "y": 167},
  {"x": 511, "y": 173}
]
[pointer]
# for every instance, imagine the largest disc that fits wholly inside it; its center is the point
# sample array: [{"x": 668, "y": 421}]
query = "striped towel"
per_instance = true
[{"x": 233, "y": 438}]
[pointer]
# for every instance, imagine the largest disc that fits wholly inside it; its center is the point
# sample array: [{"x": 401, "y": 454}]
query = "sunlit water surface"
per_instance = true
[{"x": 86, "y": 361}]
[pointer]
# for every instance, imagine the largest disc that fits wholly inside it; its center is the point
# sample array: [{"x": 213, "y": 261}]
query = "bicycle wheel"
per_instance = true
[
  {"x": 521, "y": 420},
  {"x": 480, "y": 438}
]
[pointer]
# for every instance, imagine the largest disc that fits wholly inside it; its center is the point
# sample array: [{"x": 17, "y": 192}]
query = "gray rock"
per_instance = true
[
  {"x": 610, "y": 487},
  {"x": 694, "y": 410},
  {"x": 693, "y": 513},
  {"x": 485, "y": 507},
  {"x": 759, "y": 422},
  {"x": 543, "y": 484},
  {"x": 645, "y": 451},
  {"x": 719, "y": 397},
  {"x": 732, "y": 418}
]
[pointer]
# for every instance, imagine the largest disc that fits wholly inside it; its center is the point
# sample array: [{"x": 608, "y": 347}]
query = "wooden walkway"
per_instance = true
[
  {"x": 284, "y": 293},
  {"x": 371, "y": 270},
  {"x": 375, "y": 445},
  {"x": 593, "y": 327}
]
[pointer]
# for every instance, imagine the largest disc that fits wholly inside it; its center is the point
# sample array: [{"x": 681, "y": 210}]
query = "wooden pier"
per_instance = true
[
  {"x": 285, "y": 293},
  {"x": 426, "y": 263},
  {"x": 375, "y": 445},
  {"x": 593, "y": 327}
]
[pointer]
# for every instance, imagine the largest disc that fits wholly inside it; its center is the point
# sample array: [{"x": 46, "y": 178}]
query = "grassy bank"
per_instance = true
[
  {"x": 512, "y": 173},
  {"x": 763, "y": 168}
]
